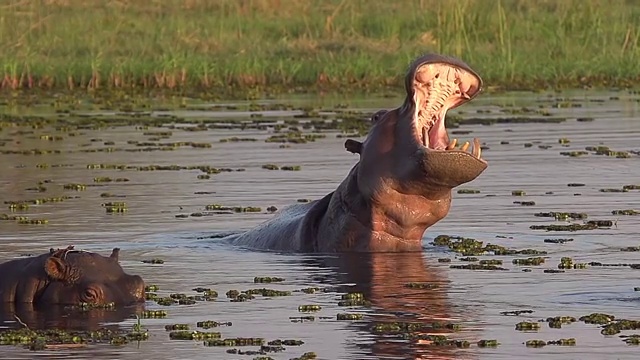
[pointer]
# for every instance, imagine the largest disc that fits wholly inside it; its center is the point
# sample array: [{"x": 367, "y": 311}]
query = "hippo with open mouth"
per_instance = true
[
  {"x": 68, "y": 276},
  {"x": 403, "y": 181}
]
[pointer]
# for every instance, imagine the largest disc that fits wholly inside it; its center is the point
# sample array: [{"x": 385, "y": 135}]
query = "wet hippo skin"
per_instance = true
[{"x": 403, "y": 181}]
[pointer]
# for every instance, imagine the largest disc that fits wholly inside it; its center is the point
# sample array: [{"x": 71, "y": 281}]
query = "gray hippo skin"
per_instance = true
[
  {"x": 403, "y": 181},
  {"x": 68, "y": 276}
]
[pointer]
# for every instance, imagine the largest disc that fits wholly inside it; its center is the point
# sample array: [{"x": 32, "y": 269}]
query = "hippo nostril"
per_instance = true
[{"x": 136, "y": 288}]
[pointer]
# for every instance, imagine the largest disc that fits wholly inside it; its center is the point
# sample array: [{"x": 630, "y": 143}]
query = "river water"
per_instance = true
[{"x": 474, "y": 299}]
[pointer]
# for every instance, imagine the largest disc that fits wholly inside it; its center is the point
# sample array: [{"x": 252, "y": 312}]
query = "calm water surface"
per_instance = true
[{"x": 473, "y": 299}]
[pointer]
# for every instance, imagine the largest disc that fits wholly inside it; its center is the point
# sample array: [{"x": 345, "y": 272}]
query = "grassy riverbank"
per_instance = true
[{"x": 309, "y": 44}]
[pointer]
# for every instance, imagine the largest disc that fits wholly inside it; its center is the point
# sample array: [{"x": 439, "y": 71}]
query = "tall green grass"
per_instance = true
[{"x": 213, "y": 44}]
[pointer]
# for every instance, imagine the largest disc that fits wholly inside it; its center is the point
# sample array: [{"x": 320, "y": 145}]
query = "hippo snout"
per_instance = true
[{"x": 136, "y": 288}]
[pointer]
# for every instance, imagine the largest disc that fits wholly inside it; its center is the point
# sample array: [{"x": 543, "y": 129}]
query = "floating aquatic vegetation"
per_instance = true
[
  {"x": 516, "y": 312},
  {"x": 469, "y": 258},
  {"x": 309, "y": 308},
  {"x": 291, "y": 168},
  {"x": 60, "y": 339},
  {"x": 491, "y": 262},
  {"x": 166, "y": 301},
  {"x": 235, "y": 342},
  {"x": 237, "y": 209},
  {"x": 267, "y": 292},
  {"x": 590, "y": 225},
  {"x": 558, "y": 241},
  {"x": 84, "y": 306},
  {"x": 597, "y": 318},
  {"x": 574, "y": 153},
  {"x": 563, "y": 342},
  {"x": 302, "y": 318},
  {"x": 535, "y": 343},
  {"x": 525, "y": 203},
  {"x": 237, "y": 139},
  {"x": 148, "y": 314},
  {"x": 518, "y": 193},
  {"x": 558, "y": 321},
  {"x": 153, "y": 261},
  {"x": 532, "y": 261},
  {"x": 347, "y": 316},
  {"x": 151, "y": 288},
  {"x": 207, "y": 293},
  {"x": 353, "y": 299},
  {"x": 401, "y": 327},
  {"x": 528, "y": 326},
  {"x": 477, "y": 267},
  {"x": 207, "y": 324},
  {"x": 19, "y": 207},
  {"x": 488, "y": 343},
  {"x": 267, "y": 279},
  {"x": 631, "y": 339},
  {"x": 562, "y": 215},
  {"x": 625, "y": 212},
  {"x": 25, "y": 221},
  {"x": 614, "y": 190},
  {"x": 473, "y": 247},
  {"x": 74, "y": 186},
  {"x": 310, "y": 290},
  {"x": 616, "y": 326},
  {"x": 631, "y": 248},
  {"x": 173, "y": 327},
  {"x": 294, "y": 138},
  {"x": 115, "y": 207},
  {"x": 193, "y": 335},
  {"x": 568, "y": 263},
  {"x": 468, "y": 191},
  {"x": 284, "y": 167}
]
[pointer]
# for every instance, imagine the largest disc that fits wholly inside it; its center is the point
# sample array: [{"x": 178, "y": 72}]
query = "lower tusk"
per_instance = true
[
  {"x": 465, "y": 146},
  {"x": 476, "y": 148},
  {"x": 452, "y": 144}
]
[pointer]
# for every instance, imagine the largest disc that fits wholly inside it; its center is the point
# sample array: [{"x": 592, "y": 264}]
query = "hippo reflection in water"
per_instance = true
[
  {"x": 58, "y": 316},
  {"x": 383, "y": 279},
  {"x": 402, "y": 183}
]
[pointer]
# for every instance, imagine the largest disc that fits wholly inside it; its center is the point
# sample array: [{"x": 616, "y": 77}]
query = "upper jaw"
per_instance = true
[{"x": 436, "y": 84}]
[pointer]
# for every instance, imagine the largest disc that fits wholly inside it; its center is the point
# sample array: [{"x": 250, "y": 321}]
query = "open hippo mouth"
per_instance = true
[{"x": 439, "y": 84}]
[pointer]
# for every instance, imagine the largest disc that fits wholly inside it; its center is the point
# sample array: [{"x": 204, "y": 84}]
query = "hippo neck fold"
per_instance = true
[{"x": 389, "y": 223}]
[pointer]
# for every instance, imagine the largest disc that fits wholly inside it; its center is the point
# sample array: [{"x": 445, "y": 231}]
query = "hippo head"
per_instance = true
[
  {"x": 84, "y": 277},
  {"x": 408, "y": 149},
  {"x": 408, "y": 165}
]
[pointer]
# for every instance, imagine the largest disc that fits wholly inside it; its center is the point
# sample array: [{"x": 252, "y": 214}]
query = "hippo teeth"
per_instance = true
[{"x": 476, "y": 151}]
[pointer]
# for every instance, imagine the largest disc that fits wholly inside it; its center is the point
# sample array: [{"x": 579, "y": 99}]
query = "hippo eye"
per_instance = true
[
  {"x": 89, "y": 294},
  {"x": 375, "y": 117}
]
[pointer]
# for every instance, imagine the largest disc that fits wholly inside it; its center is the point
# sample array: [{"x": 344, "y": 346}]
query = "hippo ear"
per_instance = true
[
  {"x": 58, "y": 269},
  {"x": 115, "y": 254},
  {"x": 353, "y": 146}
]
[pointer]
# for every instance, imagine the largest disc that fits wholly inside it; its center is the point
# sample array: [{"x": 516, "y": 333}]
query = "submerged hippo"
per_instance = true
[
  {"x": 68, "y": 276},
  {"x": 402, "y": 183}
]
